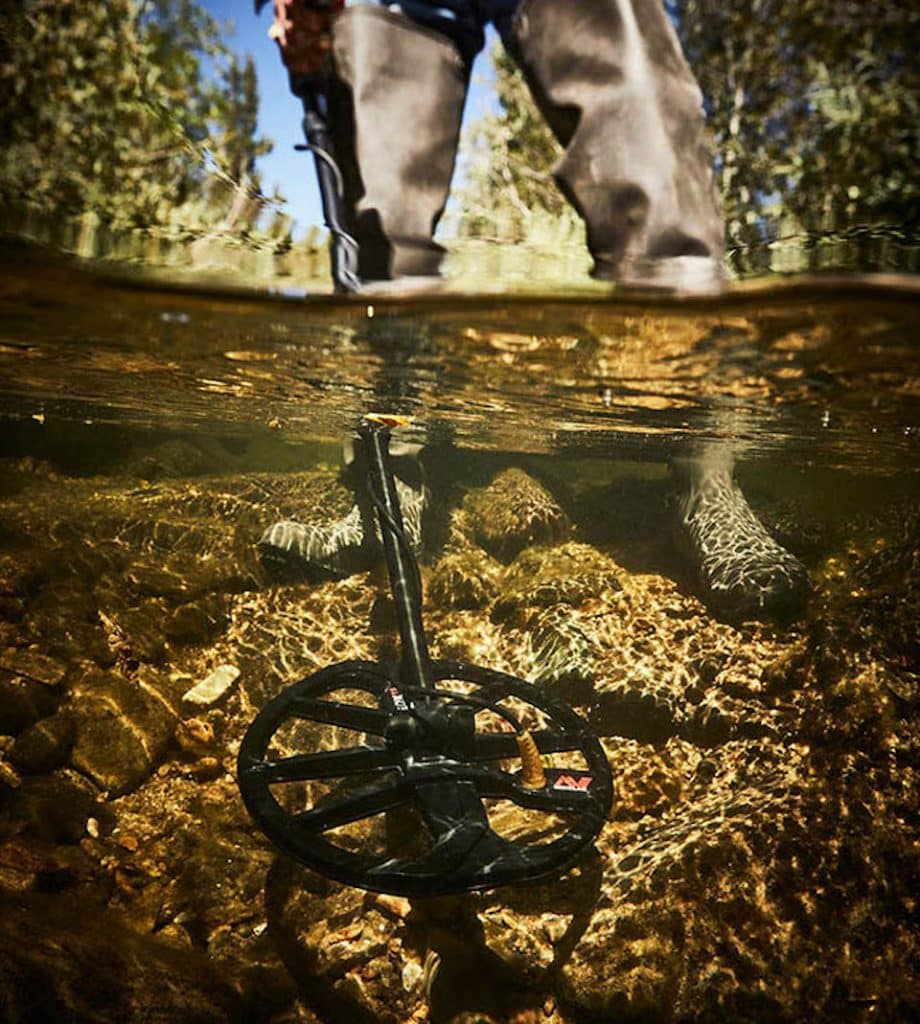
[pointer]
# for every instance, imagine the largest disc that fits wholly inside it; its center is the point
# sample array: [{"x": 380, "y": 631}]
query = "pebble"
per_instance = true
[
  {"x": 19, "y": 865},
  {"x": 398, "y": 906},
  {"x": 411, "y": 975},
  {"x": 176, "y": 934},
  {"x": 195, "y": 736},
  {"x": 195, "y": 621},
  {"x": 206, "y": 768},
  {"x": 123, "y": 728},
  {"x": 212, "y": 687},
  {"x": 9, "y": 777}
]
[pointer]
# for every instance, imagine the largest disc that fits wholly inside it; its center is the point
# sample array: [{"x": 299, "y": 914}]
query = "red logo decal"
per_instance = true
[{"x": 571, "y": 782}]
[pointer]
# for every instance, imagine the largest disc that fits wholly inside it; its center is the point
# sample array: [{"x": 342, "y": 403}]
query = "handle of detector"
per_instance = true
[{"x": 342, "y": 245}]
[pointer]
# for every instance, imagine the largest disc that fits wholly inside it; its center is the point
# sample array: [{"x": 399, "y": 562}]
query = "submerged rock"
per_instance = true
[
  {"x": 123, "y": 727},
  {"x": 467, "y": 578},
  {"x": 197, "y": 621},
  {"x": 571, "y": 574},
  {"x": 352, "y": 954},
  {"x": 33, "y": 665},
  {"x": 547, "y": 594},
  {"x": 45, "y": 745},
  {"x": 55, "y": 807},
  {"x": 513, "y": 512},
  {"x": 62, "y": 619},
  {"x": 63, "y": 959},
  {"x": 22, "y": 702}
]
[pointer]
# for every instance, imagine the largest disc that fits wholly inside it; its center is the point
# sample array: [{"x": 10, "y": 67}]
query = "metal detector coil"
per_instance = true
[{"x": 417, "y": 748}]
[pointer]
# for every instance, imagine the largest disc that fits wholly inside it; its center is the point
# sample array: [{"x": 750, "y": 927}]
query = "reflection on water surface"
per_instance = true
[{"x": 794, "y": 370}]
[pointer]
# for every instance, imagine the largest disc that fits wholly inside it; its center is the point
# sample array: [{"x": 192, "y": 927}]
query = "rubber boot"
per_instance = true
[
  {"x": 396, "y": 101},
  {"x": 613, "y": 84},
  {"x": 343, "y": 547},
  {"x": 743, "y": 572}
]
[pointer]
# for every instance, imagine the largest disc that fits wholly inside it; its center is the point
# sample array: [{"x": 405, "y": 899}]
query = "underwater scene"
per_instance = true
[{"x": 626, "y": 592}]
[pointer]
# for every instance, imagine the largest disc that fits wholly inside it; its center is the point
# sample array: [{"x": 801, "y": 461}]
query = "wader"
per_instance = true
[
  {"x": 612, "y": 83},
  {"x": 610, "y": 79}
]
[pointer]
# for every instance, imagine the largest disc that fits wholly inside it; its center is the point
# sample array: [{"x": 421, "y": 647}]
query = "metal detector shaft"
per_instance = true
[
  {"x": 401, "y": 564},
  {"x": 343, "y": 247}
]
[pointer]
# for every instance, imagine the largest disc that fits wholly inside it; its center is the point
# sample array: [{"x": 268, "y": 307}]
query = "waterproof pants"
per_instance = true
[{"x": 610, "y": 79}]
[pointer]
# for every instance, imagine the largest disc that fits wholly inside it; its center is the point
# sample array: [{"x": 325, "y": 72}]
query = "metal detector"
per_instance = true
[{"x": 440, "y": 740}]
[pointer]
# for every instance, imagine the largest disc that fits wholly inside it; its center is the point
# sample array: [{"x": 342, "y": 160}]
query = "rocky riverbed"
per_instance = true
[{"x": 759, "y": 862}]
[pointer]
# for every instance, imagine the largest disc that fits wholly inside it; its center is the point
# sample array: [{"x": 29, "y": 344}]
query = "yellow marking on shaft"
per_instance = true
[
  {"x": 387, "y": 419},
  {"x": 532, "y": 774}
]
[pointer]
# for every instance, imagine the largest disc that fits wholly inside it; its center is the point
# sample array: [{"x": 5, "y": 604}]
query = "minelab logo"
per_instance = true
[{"x": 572, "y": 782}]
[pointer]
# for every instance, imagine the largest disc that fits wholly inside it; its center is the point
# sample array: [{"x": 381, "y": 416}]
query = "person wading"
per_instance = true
[
  {"x": 612, "y": 83},
  {"x": 609, "y": 77}
]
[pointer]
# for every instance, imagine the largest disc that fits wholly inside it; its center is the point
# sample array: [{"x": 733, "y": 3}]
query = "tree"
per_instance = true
[
  {"x": 106, "y": 107},
  {"x": 236, "y": 146},
  {"x": 509, "y": 187},
  {"x": 814, "y": 107}
]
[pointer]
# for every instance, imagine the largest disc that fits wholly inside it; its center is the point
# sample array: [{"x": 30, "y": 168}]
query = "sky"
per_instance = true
[{"x": 280, "y": 112}]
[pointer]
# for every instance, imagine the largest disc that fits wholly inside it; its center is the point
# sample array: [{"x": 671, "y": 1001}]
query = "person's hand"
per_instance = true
[{"x": 303, "y": 34}]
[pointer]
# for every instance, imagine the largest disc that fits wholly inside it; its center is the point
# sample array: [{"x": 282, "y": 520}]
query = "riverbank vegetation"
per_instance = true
[{"x": 130, "y": 127}]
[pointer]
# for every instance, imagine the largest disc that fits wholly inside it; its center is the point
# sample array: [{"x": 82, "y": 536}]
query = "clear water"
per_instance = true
[
  {"x": 817, "y": 372},
  {"x": 148, "y": 437}
]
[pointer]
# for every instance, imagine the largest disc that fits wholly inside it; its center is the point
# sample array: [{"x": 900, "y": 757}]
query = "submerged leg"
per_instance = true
[
  {"x": 342, "y": 547},
  {"x": 743, "y": 571},
  {"x": 613, "y": 84}
]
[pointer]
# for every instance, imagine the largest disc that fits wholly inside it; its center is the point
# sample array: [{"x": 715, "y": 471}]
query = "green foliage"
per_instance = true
[
  {"x": 509, "y": 193},
  {"x": 237, "y": 116},
  {"x": 813, "y": 105},
  {"x": 106, "y": 107}
]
